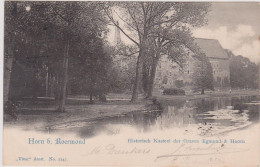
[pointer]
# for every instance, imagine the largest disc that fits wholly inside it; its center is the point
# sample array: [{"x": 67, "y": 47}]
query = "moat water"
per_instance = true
[{"x": 203, "y": 117}]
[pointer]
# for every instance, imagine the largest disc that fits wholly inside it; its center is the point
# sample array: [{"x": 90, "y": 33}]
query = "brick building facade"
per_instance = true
[{"x": 169, "y": 74}]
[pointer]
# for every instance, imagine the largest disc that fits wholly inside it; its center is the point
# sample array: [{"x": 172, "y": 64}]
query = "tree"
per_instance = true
[
  {"x": 152, "y": 24},
  {"x": 243, "y": 72},
  {"x": 89, "y": 69},
  {"x": 203, "y": 75},
  {"x": 177, "y": 44},
  {"x": 124, "y": 64},
  {"x": 122, "y": 75},
  {"x": 173, "y": 38},
  {"x": 46, "y": 34}
]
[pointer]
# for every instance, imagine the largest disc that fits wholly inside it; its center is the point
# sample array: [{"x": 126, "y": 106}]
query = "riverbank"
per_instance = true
[
  {"x": 165, "y": 99},
  {"x": 33, "y": 116},
  {"x": 43, "y": 114}
]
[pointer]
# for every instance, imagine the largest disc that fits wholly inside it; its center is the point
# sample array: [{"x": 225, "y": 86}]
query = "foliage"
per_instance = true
[
  {"x": 40, "y": 33},
  {"x": 157, "y": 28},
  {"x": 203, "y": 75},
  {"x": 88, "y": 69},
  {"x": 123, "y": 74},
  {"x": 43, "y": 37},
  {"x": 122, "y": 70},
  {"x": 243, "y": 73}
]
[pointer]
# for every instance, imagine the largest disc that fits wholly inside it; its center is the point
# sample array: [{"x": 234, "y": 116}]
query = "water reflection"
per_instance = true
[
  {"x": 212, "y": 116},
  {"x": 202, "y": 116}
]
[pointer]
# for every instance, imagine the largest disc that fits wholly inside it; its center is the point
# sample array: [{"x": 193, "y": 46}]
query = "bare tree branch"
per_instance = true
[
  {"x": 125, "y": 21},
  {"x": 115, "y": 24},
  {"x": 136, "y": 24}
]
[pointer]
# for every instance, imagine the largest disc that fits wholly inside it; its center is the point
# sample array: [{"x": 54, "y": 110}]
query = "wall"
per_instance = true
[{"x": 170, "y": 72}]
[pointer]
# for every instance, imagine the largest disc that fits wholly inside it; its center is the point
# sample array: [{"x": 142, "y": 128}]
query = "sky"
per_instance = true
[{"x": 236, "y": 25}]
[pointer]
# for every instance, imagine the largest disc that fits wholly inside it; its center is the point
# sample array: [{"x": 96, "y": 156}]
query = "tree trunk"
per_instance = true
[
  {"x": 57, "y": 87},
  {"x": 47, "y": 83},
  {"x": 137, "y": 76},
  {"x": 146, "y": 77},
  {"x": 202, "y": 91},
  {"x": 91, "y": 98},
  {"x": 52, "y": 86},
  {"x": 8, "y": 65},
  {"x": 62, "y": 99},
  {"x": 152, "y": 77}
]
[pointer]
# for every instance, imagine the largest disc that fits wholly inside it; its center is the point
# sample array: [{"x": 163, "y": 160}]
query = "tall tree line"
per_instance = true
[
  {"x": 244, "y": 74},
  {"x": 51, "y": 36},
  {"x": 66, "y": 40}
]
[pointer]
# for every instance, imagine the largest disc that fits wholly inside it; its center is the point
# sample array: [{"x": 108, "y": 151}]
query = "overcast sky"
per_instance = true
[{"x": 236, "y": 26}]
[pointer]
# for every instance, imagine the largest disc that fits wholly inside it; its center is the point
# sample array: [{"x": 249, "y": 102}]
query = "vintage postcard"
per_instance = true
[{"x": 131, "y": 83}]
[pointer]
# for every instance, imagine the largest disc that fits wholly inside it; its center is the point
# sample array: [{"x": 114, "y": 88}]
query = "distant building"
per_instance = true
[
  {"x": 218, "y": 58},
  {"x": 169, "y": 74}
]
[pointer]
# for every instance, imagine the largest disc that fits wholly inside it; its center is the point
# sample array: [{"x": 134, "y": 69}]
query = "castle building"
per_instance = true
[{"x": 169, "y": 74}]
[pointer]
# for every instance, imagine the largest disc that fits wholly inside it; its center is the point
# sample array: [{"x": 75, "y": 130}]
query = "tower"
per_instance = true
[{"x": 117, "y": 38}]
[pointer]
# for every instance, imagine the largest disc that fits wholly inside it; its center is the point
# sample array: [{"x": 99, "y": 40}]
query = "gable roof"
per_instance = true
[{"x": 211, "y": 47}]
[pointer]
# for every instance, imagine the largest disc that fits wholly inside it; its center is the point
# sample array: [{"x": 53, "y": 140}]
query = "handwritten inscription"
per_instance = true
[
  {"x": 112, "y": 149},
  {"x": 188, "y": 150}
]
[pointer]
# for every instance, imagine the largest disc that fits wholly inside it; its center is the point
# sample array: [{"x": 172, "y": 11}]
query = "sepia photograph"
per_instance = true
[{"x": 131, "y": 83}]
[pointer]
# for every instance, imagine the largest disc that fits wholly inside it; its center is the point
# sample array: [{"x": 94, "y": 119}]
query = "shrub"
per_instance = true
[{"x": 173, "y": 91}]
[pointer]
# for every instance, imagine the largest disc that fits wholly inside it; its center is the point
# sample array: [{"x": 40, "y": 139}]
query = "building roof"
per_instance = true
[{"x": 212, "y": 48}]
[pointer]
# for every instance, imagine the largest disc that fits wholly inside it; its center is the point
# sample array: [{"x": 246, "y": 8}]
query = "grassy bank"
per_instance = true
[
  {"x": 43, "y": 113},
  {"x": 40, "y": 114}
]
